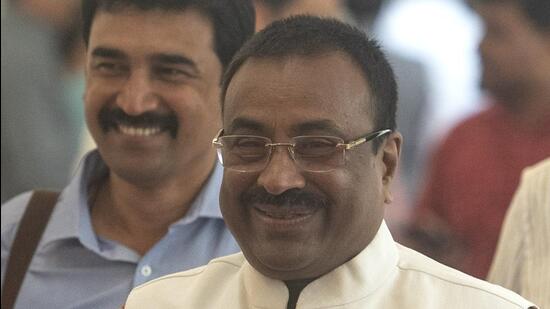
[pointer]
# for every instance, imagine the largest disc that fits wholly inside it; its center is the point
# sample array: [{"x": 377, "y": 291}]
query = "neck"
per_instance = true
[
  {"x": 531, "y": 108},
  {"x": 138, "y": 216}
]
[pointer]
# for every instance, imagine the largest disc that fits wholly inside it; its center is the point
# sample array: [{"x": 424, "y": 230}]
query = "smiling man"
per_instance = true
[
  {"x": 310, "y": 150},
  {"x": 146, "y": 202}
]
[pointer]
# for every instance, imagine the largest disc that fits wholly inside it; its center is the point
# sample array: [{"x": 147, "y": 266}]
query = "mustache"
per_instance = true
[
  {"x": 290, "y": 198},
  {"x": 110, "y": 118}
]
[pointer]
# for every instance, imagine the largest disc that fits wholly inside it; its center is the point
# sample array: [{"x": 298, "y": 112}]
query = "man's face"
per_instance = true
[
  {"x": 152, "y": 92},
  {"x": 511, "y": 49},
  {"x": 292, "y": 224}
]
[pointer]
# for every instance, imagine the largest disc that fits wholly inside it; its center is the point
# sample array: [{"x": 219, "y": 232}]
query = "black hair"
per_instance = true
[
  {"x": 538, "y": 12},
  {"x": 233, "y": 20},
  {"x": 305, "y": 35}
]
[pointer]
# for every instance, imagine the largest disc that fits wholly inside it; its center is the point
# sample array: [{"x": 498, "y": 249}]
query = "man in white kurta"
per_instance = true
[
  {"x": 384, "y": 275},
  {"x": 522, "y": 260},
  {"x": 310, "y": 150}
]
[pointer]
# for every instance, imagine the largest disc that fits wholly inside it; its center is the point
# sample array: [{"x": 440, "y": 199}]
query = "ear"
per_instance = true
[{"x": 391, "y": 150}]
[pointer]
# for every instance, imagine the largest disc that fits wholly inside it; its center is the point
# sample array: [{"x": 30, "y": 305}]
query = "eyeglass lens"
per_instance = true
[{"x": 252, "y": 153}]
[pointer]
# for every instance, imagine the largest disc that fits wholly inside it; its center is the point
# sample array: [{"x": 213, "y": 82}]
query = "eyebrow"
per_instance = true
[
  {"x": 107, "y": 52},
  {"x": 162, "y": 58},
  {"x": 175, "y": 59},
  {"x": 325, "y": 125},
  {"x": 246, "y": 123}
]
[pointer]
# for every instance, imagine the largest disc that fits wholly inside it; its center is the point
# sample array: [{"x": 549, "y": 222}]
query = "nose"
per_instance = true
[
  {"x": 137, "y": 95},
  {"x": 281, "y": 173}
]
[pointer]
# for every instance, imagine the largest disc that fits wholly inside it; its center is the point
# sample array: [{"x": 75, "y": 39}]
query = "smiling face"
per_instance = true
[
  {"x": 152, "y": 92},
  {"x": 292, "y": 224}
]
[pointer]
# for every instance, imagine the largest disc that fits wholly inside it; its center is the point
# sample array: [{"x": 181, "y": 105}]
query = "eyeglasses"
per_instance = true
[{"x": 249, "y": 153}]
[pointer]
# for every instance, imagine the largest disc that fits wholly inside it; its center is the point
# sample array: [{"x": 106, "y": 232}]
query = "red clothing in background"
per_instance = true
[{"x": 473, "y": 177}]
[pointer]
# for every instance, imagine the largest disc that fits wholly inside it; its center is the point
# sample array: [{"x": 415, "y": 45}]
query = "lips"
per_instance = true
[
  {"x": 282, "y": 221},
  {"x": 290, "y": 204},
  {"x": 284, "y": 212}
]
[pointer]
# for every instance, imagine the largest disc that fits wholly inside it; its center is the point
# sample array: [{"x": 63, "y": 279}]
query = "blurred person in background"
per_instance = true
[
  {"x": 413, "y": 97},
  {"x": 39, "y": 137},
  {"x": 474, "y": 173},
  {"x": 145, "y": 203},
  {"x": 410, "y": 79},
  {"x": 522, "y": 259}
]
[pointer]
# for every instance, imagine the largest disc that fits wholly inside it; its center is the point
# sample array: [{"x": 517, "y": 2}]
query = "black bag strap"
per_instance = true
[{"x": 30, "y": 230}]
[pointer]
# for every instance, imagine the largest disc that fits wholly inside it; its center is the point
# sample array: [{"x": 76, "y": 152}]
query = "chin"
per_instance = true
[
  {"x": 142, "y": 176},
  {"x": 282, "y": 264}
]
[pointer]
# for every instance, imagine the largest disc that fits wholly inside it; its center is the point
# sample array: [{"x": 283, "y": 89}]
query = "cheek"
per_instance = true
[
  {"x": 199, "y": 113},
  {"x": 94, "y": 99},
  {"x": 355, "y": 214},
  {"x": 99, "y": 92},
  {"x": 364, "y": 187},
  {"x": 233, "y": 185},
  {"x": 363, "y": 207}
]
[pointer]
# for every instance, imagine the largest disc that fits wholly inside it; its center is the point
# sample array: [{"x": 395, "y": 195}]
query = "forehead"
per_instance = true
[
  {"x": 273, "y": 92},
  {"x": 148, "y": 31}
]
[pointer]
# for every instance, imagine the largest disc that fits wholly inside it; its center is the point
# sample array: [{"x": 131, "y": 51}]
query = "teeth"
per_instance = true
[{"x": 128, "y": 130}]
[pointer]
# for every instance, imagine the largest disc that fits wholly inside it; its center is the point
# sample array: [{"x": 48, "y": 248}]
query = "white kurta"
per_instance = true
[
  {"x": 522, "y": 259},
  {"x": 384, "y": 275}
]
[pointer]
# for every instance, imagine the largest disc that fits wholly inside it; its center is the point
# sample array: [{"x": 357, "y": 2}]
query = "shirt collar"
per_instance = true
[
  {"x": 71, "y": 216},
  {"x": 206, "y": 204},
  {"x": 357, "y": 278}
]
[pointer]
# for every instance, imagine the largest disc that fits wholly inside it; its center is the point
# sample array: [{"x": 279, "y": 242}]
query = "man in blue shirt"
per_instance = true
[{"x": 145, "y": 203}]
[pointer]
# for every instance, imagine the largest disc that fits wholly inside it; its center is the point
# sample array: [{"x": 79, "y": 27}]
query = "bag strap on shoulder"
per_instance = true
[{"x": 30, "y": 230}]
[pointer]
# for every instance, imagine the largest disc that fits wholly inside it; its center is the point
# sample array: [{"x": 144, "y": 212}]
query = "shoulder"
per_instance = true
[
  {"x": 538, "y": 175},
  {"x": 191, "y": 284},
  {"x": 533, "y": 194},
  {"x": 222, "y": 266},
  {"x": 448, "y": 283},
  {"x": 12, "y": 212},
  {"x": 532, "y": 197}
]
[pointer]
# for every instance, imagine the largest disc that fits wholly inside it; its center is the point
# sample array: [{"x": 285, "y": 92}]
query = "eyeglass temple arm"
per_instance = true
[
  {"x": 367, "y": 138},
  {"x": 215, "y": 139}
]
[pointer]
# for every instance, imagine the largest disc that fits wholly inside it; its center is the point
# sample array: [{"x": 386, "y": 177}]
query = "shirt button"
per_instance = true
[{"x": 146, "y": 271}]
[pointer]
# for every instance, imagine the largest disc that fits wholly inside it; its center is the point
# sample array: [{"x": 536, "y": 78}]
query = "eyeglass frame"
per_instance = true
[{"x": 290, "y": 146}]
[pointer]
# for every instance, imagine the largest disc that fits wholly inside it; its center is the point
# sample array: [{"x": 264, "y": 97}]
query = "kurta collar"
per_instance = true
[{"x": 354, "y": 280}]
